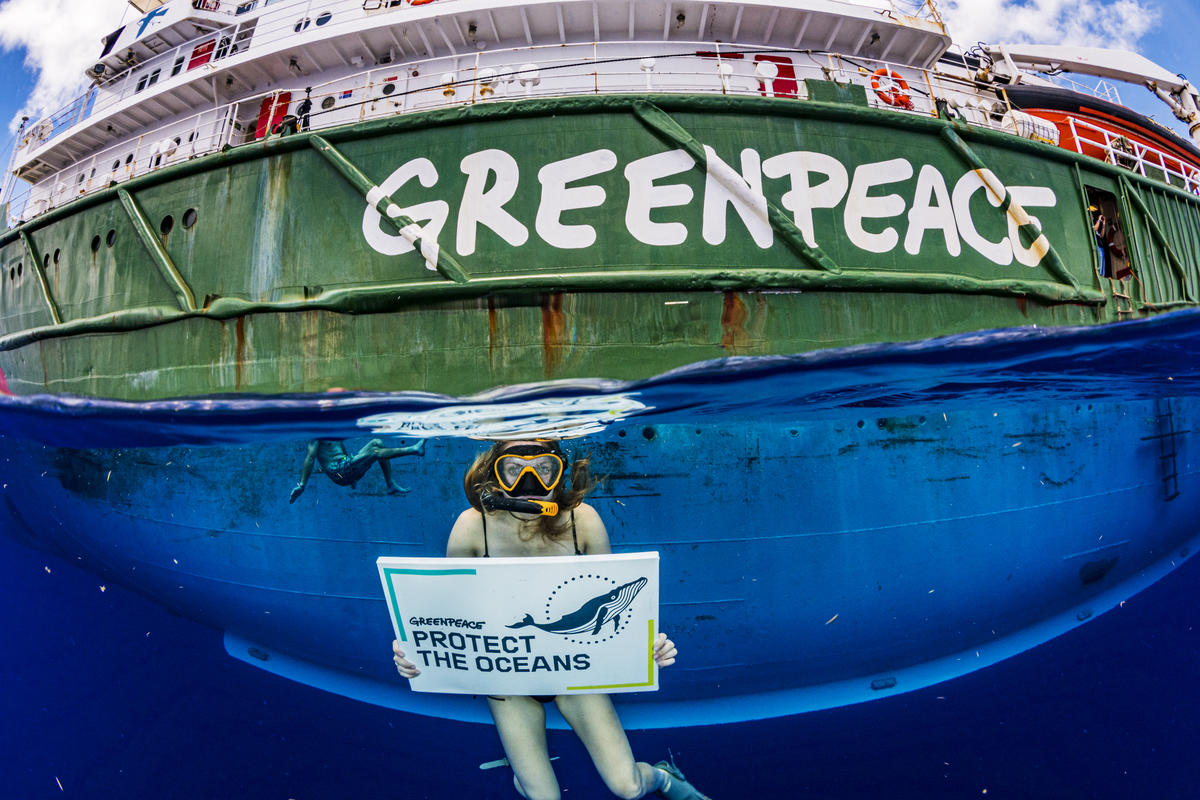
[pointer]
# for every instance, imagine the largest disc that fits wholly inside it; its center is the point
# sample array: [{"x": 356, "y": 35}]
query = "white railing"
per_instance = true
[
  {"x": 539, "y": 71},
  {"x": 492, "y": 76},
  {"x": 1135, "y": 156},
  {"x": 299, "y": 22}
]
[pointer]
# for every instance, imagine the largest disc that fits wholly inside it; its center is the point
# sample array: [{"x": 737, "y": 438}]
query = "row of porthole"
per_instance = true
[
  {"x": 303, "y": 23},
  {"x": 165, "y": 226}
]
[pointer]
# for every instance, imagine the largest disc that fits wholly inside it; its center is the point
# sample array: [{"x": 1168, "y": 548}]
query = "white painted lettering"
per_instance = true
[
  {"x": 557, "y": 197},
  {"x": 803, "y": 197},
  {"x": 645, "y": 196},
  {"x": 1000, "y": 252},
  {"x": 480, "y": 207},
  {"x": 1023, "y": 197},
  {"x": 433, "y": 213},
  {"x": 723, "y": 187},
  {"x": 860, "y": 205},
  {"x": 931, "y": 211}
]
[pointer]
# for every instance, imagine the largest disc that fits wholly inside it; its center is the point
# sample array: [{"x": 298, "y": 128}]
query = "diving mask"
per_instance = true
[{"x": 528, "y": 470}]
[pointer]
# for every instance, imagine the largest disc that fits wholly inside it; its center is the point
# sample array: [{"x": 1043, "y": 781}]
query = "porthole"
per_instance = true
[
  {"x": 20, "y": 266},
  {"x": 191, "y": 137},
  {"x": 324, "y": 17},
  {"x": 301, "y": 24},
  {"x": 116, "y": 165},
  {"x": 327, "y": 103},
  {"x": 168, "y": 222},
  {"x": 12, "y": 273},
  {"x": 95, "y": 244},
  {"x": 46, "y": 261},
  {"x": 57, "y": 253},
  {"x": 389, "y": 88},
  {"x": 82, "y": 177},
  {"x": 111, "y": 239},
  {"x": 189, "y": 218},
  {"x": 129, "y": 159}
]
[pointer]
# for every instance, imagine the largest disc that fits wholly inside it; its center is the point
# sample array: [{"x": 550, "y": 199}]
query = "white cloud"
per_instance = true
[
  {"x": 1118, "y": 24},
  {"x": 60, "y": 38}
]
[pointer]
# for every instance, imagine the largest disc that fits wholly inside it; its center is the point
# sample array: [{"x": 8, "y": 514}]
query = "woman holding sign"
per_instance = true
[{"x": 520, "y": 506}]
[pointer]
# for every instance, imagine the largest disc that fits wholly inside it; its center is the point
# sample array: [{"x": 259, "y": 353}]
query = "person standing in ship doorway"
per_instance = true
[
  {"x": 553, "y": 521},
  {"x": 345, "y": 469}
]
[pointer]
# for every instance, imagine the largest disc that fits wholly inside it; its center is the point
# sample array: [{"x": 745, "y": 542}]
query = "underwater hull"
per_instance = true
[{"x": 806, "y": 562}]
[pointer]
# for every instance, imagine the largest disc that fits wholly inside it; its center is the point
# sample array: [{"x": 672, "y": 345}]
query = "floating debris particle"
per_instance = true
[
  {"x": 931, "y": 591},
  {"x": 620, "y": 503},
  {"x": 103, "y": 588},
  {"x": 47, "y": 570},
  {"x": 1016, "y": 444},
  {"x": 176, "y": 560},
  {"x": 109, "y": 475},
  {"x": 56, "y": 780},
  {"x": 831, "y": 619}
]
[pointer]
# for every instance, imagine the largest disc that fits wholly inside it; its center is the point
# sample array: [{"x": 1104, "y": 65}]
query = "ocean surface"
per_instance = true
[{"x": 106, "y": 694}]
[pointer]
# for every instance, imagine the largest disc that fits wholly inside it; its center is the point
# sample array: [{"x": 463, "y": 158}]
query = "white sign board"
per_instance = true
[{"x": 526, "y": 626}]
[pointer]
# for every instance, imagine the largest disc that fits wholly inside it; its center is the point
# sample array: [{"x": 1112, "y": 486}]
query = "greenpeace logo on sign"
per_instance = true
[
  {"x": 541, "y": 626},
  {"x": 875, "y": 217}
]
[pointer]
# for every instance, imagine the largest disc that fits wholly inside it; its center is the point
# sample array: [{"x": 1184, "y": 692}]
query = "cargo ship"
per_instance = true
[{"x": 271, "y": 199}]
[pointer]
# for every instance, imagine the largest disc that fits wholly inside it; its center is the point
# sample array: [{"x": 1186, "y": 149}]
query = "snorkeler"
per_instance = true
[
  {"x": 345, "y": 469},
  {"x": 520, "y": 507}
]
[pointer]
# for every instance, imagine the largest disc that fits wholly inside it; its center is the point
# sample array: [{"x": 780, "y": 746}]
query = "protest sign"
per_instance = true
[{"x": 524, "y": 626}]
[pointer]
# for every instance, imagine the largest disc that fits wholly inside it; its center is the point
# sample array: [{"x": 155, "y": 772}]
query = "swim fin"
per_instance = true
[{"x": 677, "y": 788}]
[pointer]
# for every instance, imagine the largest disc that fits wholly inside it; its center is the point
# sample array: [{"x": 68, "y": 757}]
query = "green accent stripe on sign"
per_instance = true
[
  {"x": 649, "y": 670},
  {"x": 388, "y": 573}
]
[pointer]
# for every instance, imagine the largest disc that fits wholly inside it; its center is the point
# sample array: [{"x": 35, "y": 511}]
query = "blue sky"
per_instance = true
[{"x": 52, "y": 40}]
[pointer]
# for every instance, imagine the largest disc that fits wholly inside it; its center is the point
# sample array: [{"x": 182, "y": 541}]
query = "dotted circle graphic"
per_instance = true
[{"x": 602, "y": 583}]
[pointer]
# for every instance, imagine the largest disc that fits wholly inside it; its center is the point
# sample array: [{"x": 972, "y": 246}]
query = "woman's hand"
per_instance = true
[
  {"x": 664, "y": 651},
  {"x": 409, "y": 670}
]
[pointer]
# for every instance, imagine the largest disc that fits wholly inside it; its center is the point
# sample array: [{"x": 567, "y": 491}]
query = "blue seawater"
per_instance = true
[{"x": 107, "y": 693}]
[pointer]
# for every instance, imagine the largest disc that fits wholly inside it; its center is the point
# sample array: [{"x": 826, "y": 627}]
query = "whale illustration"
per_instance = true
[{"x": 592, "y": 615}]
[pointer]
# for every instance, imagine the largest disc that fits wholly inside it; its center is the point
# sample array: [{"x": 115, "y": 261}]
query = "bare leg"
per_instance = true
[
  {"x": 375, "y": 451},
  {"x": 595, "y": 722},
  {"x": 521, "y": 723}
]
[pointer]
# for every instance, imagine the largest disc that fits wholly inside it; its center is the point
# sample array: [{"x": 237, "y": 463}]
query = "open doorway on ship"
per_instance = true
[{"x": 1108, "y": 227}]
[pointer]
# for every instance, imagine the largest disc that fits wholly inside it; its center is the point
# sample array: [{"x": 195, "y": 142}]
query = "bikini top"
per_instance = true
[{"x": 574, "y": 538}]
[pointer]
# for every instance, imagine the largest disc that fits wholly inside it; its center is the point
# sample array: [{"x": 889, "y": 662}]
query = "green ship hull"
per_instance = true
[{"x": 616, "y": 237}]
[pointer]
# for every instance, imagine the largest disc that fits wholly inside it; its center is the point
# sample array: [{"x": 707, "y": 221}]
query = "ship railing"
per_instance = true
[
  {"x": 301, "y": 22},
  {"x": 1135, "y": 156},
  {"x": 506, "y": 75},
  {"x": 289, "y": 21}
]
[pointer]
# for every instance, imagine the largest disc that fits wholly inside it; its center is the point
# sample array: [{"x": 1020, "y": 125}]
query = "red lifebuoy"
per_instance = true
[{"x": 890, "y": 87}]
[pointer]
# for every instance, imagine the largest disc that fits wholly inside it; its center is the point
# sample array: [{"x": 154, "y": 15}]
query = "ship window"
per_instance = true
[
  {"x": 153, "y": 77},
  {"x": 95, "y": 243},
  {"x": 327, "y": 103},
  {"x": 168, "y": 222},
  {"x": 1108, "y": 235},
  {"x": 189, "y": 218},
  {"x": 301, "y": 24},
  {"x": 141, "y": 84},
  {"x": 177, "y": 67},
  {"x": 111, "y": 239},
  {"x": 389, "y": 88},
  {"x": 246, "y": 7},
  {"x": 324, "y": 17},
  {"x": 222, "y": 48}
]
